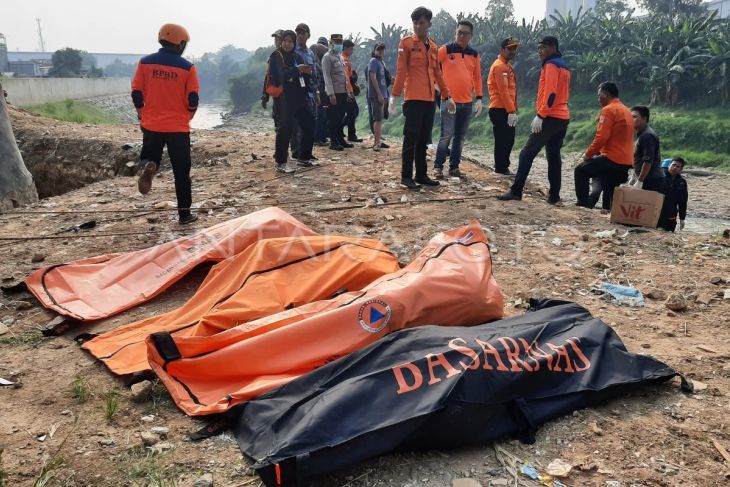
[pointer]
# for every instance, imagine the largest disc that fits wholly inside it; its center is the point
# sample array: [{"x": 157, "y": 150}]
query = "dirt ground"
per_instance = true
[{"x": 67, "y": 421}]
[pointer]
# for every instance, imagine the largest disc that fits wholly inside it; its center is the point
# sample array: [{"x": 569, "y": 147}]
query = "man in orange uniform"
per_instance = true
[
  {"x": 165, "y": 94},
  {"x": 550, "y": 125},
  {"x": 461, "y": 66},
  {"x": 417, "y": 71},
  {"x": 611, "y": 154},
  {"x": 502, "y": 86}
]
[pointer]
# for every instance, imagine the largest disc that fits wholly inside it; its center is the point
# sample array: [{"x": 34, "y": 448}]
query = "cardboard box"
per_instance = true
[{"x": 638, "y": 207}]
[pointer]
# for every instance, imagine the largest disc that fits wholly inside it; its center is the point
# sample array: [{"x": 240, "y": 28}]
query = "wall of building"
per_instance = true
[
  {"x": 721, "y": 6},
  {"x": 34, "y": 91}
]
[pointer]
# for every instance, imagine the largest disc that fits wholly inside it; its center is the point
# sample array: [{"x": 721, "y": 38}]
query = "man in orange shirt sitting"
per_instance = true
[
  {"x": 611, "y": 154},
  {"x": 417, "y": 72}
]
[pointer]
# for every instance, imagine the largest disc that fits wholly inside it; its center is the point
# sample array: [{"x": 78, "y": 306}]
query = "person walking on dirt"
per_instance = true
[
  {"x": 289, "y": 71},
  {"x": 502, "y": 86},
  {"x": 550, "y": 124},
  {"x": 461, "y": 67},
  {"x": 352, "y": 109},
  {"x": 611, "y": 154},
  {"x": 165, "y": 93},
  {"x": 417, "y": 71},
  {"x": 338, "y": 89},
  {"x": 647, "y": 158}
]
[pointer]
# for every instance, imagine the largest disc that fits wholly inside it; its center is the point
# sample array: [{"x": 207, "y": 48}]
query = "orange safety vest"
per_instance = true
[
  {"x": 553, "y": 91},
  {"x": 462, "y": 72},
  {"x": 418, "y": 70},
  {"x": 502, "y": 85},
  {"x": 614, "y": 138},
  {"x": 165, "y": 87}
]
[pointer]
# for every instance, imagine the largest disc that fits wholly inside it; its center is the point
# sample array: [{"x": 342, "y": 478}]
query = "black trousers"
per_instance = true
[
  {"x": 416, "y": 131},
  {"x": 610, "y": 174},
  {"x": 288, "y": 116},
  {"x": 353, "y": 111},
  {"x": 551, "y": 138},
  {"x": 178, "y": 148},
  {"x": 504, "y": 138},
  {"x": 336, "y": 118}
]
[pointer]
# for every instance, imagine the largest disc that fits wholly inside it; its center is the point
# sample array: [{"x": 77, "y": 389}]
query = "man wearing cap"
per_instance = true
[
  {"x": 165, "y": 93},
  {"x": 377, "y": 93},
  {"x": 417, "y": 72},
  {"x": 502, "y": 87},
  {"x": 338, "y": 90},
  {"x": 461, "y": 66},
  {"x": 550, "y": 124}
]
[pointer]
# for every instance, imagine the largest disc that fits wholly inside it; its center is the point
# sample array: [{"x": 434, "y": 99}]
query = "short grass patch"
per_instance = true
[{"x": 74, "y": 111}]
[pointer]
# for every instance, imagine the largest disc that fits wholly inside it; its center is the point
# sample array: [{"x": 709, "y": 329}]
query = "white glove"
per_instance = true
[
  {"x": 638, "y": 184},
  {"x": 391, "y": 105},
  {"x": 681, "y": 224},
  {"x": 451, "y": 106},
  {"x": 512, "y": 120},
  {"x": 477, "y": 108},
  {"x": 633, "y": 180},
  {"x": 536, "y": 126}
]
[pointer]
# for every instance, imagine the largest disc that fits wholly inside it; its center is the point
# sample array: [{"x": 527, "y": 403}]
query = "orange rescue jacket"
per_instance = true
[
  {"x": 462, "y": 72},
  {"x": 502, "y": 85},
  {"x": 554, "y": 89},
  {"x": 166, "y": 88},
  {"x": 615, "y": 134},
  {"x": 417, "y": 70}
]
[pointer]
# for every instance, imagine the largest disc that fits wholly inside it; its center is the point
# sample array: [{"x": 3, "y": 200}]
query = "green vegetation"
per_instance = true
[
  {"x": 693, "y": 132},
  {"x": 74, "y": 111},
  {"x": 143, "y": 468},
  {"x": 47, "y": 473},
  {"x": 30, "y": 338},
  {"x": 80, "y": 390},
  {"x": 111, "y": 404}
]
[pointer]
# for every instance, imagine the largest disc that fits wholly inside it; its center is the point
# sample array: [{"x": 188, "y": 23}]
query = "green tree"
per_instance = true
[
  {"x": 119, "y": 69},
  {"x": 66, "y": 63},
  {"x": 674, "y": 7},
  {"x": 500, "y": 11}
]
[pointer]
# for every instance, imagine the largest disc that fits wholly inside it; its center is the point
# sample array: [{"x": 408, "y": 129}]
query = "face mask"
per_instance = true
[{"x": 338, "y": 48}]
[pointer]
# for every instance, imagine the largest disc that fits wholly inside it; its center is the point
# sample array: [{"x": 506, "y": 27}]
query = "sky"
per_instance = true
[{"x": 131, "y": 26}]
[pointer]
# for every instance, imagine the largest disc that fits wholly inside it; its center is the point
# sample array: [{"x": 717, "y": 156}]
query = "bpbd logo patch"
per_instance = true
[{"x": 374, "y": 315}]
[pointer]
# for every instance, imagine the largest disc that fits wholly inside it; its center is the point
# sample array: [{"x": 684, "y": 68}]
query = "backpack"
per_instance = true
[{"x": 271, "y": 89}]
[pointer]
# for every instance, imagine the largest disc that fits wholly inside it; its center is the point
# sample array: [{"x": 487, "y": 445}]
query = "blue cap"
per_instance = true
[
  {"x": 666, "y": 163},
  {"x": 323, "y": 41}
]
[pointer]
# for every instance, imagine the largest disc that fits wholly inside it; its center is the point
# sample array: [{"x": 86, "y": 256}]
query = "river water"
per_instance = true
[{"x": 208, "y": 116}]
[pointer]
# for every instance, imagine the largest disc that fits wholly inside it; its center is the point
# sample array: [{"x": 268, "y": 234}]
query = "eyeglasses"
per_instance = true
[{"x": 463, "y": 33}]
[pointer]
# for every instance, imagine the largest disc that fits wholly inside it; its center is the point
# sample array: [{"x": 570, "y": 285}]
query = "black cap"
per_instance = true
[
  {"x": 277, "y": 33},
  {"x": 509, "y": 42},
  {"x": 303, "y": 28},
  {"x": 379, "y": 45},
  {"x": 550, "y": 41}
]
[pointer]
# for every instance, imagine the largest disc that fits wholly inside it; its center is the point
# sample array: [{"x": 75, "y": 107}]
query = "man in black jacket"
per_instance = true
[{"x": 675, "y": 197}]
